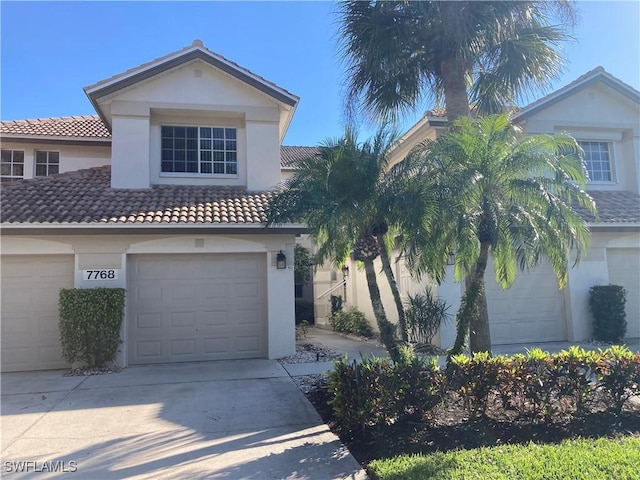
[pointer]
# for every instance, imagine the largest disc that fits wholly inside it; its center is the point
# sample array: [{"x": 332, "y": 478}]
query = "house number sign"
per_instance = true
[{"x": 100, "y": 274}]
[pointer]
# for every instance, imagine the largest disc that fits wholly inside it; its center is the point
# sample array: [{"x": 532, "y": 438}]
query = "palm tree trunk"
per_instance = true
[
  {"x": 455, "y": 89},
  {"x": 479, "y": 333},
  {"x": 386, "y": 267},
  {"x": 385, "y": 327}
]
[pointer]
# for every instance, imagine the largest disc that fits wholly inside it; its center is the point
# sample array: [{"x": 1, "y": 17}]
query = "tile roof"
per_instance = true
[
  {"x": 86, "y": 197},
  {"x": 83, "y": 126},
  {"x": 91, "y": 126},
  {"x": 617, "y": 207},
  {"x": 290, "y": 155}
]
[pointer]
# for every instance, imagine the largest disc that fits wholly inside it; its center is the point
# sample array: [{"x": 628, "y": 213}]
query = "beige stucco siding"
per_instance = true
[{"x": 119, "y": 251}]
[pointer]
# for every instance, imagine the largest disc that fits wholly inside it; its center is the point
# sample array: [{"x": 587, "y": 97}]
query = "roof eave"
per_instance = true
[{"x": 147, "y": 228}]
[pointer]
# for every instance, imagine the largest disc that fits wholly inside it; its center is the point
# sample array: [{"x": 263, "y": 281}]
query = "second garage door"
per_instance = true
[
  {"x": 184, "y": 308},
  {"x": 624, "y": 269},
  {"x": 532, "y": 310}
]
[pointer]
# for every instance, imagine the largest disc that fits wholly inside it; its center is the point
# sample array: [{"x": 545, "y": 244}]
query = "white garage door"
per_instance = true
[
  {"x": 532, "y": 310},
  {"x": 30, "y": 291},
  {"x": 624, "y": 269},
  {"x": 185, "y": 308}
]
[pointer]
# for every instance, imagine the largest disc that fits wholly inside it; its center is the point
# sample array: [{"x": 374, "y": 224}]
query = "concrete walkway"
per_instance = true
[
  {"x": 213, "y": 420},
  {"x": 354, "y": 348}
]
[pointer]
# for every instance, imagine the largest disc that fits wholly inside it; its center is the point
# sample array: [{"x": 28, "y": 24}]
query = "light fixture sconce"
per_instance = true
[
  {"x": 345, "y": 271},
  {"x": 281, "y": 261}
]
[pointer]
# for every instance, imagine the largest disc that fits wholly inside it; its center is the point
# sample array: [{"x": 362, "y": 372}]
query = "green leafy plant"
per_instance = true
[
  {"x": 90, "y": 322},
  {"x": 425, "y": 314},
  {"x": 336, "y": 304},
  {"x": 301, "y": 265},
  {"x": 351, "y": 321},
  {"x": 474, "y": 378},
  {"x": 618, "y": 372},
  {"x": 575, "y": 370},
  {"x": 607, "y": 305},
  {"x": 304, "y": 311}
]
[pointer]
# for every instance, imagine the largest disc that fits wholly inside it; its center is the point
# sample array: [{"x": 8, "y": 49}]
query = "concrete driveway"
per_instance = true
[{"x": 213, "y": 420}]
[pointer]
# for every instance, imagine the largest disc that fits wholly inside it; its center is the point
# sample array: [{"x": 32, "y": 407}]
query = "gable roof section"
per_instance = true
[
  {"x": 195, "y": 51},
  {"x": 291, "y": 155},
  {"x": 85, "y": 197},
  {"x": 598, "y": 74}
]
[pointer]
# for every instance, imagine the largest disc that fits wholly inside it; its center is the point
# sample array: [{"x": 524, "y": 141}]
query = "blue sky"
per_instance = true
[{"x": 51, "y": 50}]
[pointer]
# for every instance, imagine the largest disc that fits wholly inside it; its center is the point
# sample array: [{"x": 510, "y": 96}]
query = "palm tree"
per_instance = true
[
  {"x": 488, "y": 53},
  {"x": 505, "y": 195},
  {"x": 350, "y": 199}
]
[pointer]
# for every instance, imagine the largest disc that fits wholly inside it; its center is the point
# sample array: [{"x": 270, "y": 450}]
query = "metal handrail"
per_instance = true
[{"x": 332, "y": 289}]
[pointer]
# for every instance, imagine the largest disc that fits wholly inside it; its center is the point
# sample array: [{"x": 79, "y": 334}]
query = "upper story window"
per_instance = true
[
  {"x": 199, "y": 150},
  {"x": 47, "y": 163},
  {"x": 597, "y": 156},
  {"x": 11, "y": 165}
]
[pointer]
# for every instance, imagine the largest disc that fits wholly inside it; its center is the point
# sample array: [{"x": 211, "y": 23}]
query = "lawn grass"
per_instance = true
[{"x": 578, "y": 459}]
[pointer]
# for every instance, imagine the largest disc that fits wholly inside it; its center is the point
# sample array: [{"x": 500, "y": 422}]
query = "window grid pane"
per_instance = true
[
  {"x": 598, "y": 161},
  {"x": 11, "y": 165},
  {"x": 47, "y": 163},
  {"x": 205, "y": 150}
]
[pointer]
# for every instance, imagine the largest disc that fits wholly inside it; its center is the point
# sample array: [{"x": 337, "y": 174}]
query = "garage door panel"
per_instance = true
[
  {"x": 531, "y": 310},
  {"x": 624, "y": 269},
  {"x": 209, "y": 303},
  {"x": 30, "y": 291}
]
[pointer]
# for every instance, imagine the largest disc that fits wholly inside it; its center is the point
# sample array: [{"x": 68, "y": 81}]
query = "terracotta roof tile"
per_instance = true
[
  {"x": 290, "y": 155},
  {"x": 85, "y": 126},
  {"x": 85, "y": 197},
  {"x": 614, "y": 207}
]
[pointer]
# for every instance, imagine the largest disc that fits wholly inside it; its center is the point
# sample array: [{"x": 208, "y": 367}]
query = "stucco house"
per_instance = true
[
  {"x": 162, "y": 193},
  {"x": 603, "y": 114}
]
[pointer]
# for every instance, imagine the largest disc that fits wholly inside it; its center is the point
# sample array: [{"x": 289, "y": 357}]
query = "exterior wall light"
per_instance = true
[
  {"x": 345, "y": 271},
  {"x": 281, "y": 261}
]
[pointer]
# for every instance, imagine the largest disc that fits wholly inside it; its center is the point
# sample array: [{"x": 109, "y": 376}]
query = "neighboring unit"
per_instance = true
[{"x": 603, "y": 114}]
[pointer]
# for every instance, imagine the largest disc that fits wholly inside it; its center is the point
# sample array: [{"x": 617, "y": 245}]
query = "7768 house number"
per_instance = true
[{"x": 103, "y": 274}]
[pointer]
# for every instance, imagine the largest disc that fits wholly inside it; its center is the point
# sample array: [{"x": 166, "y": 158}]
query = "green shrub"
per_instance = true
[
  {"x": 336, "y": 304},
  {"x": 607, "y": 304},
  {"x": 425, "y": 313},
  {"x": 90, "y": 321},
  {"x": 376, "y": 392},
  {"x": 304, "y": 311},
  {"x": 575, "y": 371},
  {"x": 618, "y": 372},
  {"x": 474, "y": 378},
  {"x": 351, "y": 321}
]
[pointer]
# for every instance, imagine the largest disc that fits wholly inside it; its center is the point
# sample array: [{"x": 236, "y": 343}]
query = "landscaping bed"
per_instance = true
[{"x": 381, "y": 415}]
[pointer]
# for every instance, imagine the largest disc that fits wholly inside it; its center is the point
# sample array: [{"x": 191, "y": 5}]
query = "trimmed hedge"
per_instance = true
[
  {"x": 537, "y": 387},
  {"x": 607, "y": 305},
  {"x": 90, "y": 322}
]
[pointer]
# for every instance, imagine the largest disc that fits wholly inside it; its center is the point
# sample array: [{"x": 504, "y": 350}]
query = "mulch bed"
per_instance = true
[{"x": 450, "y": 428}]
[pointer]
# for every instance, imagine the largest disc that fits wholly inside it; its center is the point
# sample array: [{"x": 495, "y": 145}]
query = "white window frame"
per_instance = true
[
  {"x": 12, "y": 176},
  {"x": 200, "y": 149},
  {"x": 611, "y": 155},
  {"x": 49, "y": 163}
]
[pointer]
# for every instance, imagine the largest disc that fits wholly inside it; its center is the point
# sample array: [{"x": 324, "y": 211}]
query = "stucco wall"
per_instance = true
[
  {"x": 110, "y": 252},
  {"x": 72, "y": 157}
]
